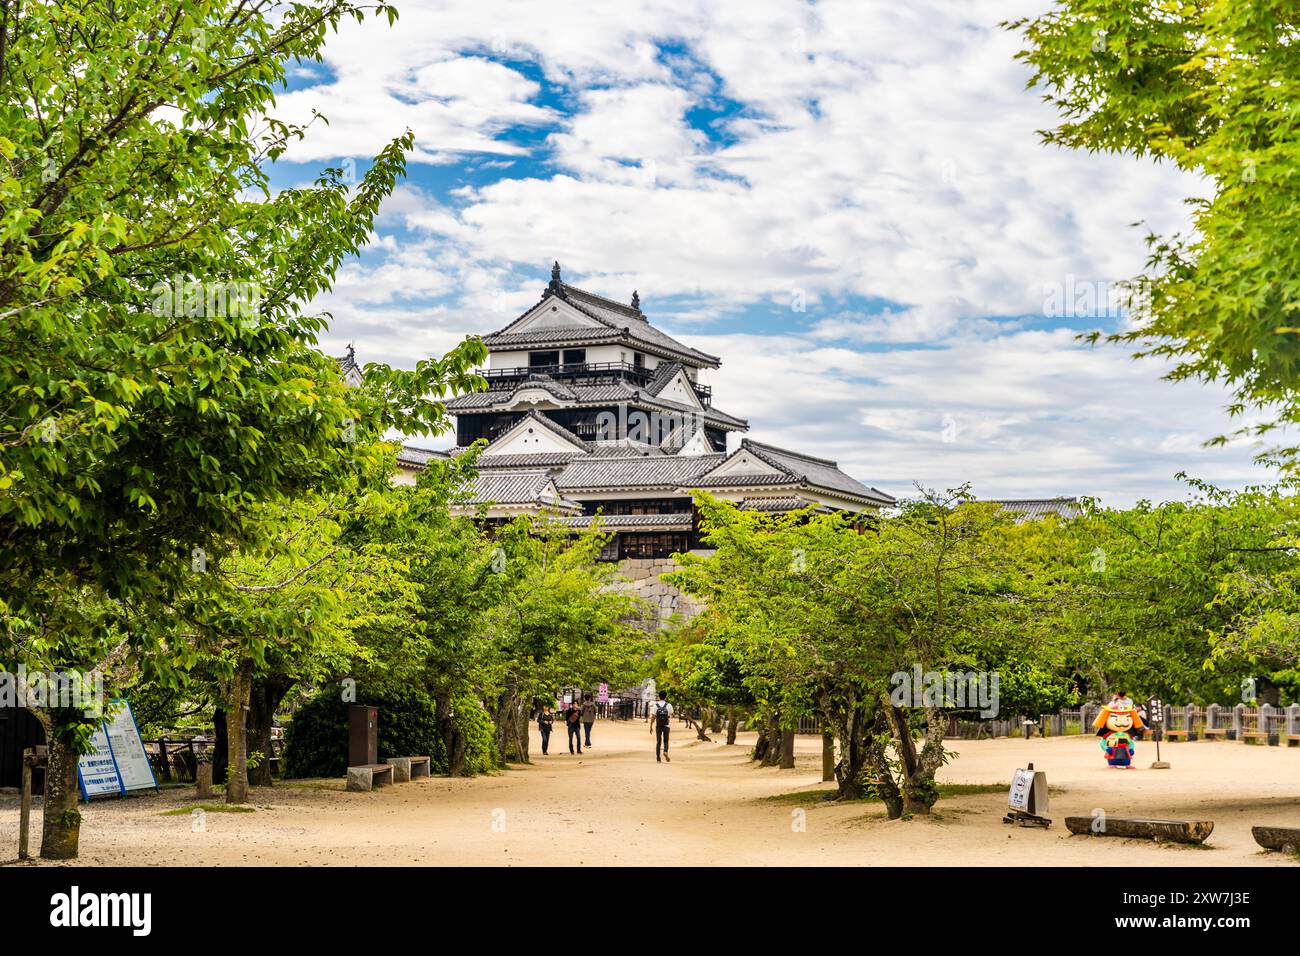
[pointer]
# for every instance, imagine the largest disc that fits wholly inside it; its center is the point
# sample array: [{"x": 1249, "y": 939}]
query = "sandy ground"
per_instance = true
[{"x": 710, "y": 805}]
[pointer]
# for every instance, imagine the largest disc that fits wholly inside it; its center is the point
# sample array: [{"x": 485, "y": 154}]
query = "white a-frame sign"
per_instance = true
[{"x": 117, "y": 764}]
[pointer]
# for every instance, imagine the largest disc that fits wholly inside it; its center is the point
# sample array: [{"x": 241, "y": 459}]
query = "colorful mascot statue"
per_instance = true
[{"x": 1118, "y": 721}]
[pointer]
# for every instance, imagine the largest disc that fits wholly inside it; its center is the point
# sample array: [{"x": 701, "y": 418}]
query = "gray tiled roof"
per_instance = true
[
  {"x": 624, "y": 448},
  {"x": 773, "y": 504},
  {"x": 348, "y": 361},
  {"x": 552, "y": 335},
  {"x": 607, "y": 309},
  {"x": 418, "y": 457},
  {"x": 618, "y": 320},
  {"x": 817, "y": 472},
  {"x": 682, "y": 433},
  {"x": 649, "y": 471},
  {"x": 515, "y": 488},
  {"x": 1028, "y": 508},
  {"x": 664, "y": 374},
  {"x": 708, "y": 413},
  {"x": 554, "y": 427},
  {"x": 746, "y": 480},
  {"x": 621, "y": 522},
  {"x": 615, "y": 393},
  {"x": 496, "y": 396},
  {"x": 526, "y": 460},
  {"x": 798, "y": 470}
]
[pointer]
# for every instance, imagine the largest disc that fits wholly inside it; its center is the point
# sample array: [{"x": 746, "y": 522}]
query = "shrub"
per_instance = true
[
  {"x": 475, "y": 723},
  {"x": 316, "y": 740}
]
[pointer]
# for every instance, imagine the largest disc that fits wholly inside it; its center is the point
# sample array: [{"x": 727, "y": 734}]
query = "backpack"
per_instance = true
[{"x": 661, "y": 715}]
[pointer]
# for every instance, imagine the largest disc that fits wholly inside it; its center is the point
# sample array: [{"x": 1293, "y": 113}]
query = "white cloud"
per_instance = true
[
  {"x": 1021, "y": 414},
  {"x": 882, "y": 151}
]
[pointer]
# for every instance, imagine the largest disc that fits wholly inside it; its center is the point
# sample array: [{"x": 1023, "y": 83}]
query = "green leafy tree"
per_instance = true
[
  {"x": 1210, "y": 87},
  {"x": 286, "y": 611},
  {"x": 560, "y": 621},
  {"x": 434, "y": 634},
  {"x": 1154, "y": 585},
  {"x": 701, "y": 665},
  {"x": 159, "y": 375},
  {"x": 824, "y": 612}
]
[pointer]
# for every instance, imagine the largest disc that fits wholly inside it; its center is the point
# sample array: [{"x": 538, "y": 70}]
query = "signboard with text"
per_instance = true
[
  {"x": 97, "y": 770},
  {"x": 1028, "y": 791},
  {"x": 118, "y": 763}
]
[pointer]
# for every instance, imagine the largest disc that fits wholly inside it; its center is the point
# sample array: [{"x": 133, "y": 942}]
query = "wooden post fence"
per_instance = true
[{"x": 33, "y": 757}]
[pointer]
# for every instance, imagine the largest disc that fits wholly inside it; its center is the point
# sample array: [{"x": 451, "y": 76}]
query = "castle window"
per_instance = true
[
  {"x": 640, "y": 545},
  {"x": 543, "y": 359}
]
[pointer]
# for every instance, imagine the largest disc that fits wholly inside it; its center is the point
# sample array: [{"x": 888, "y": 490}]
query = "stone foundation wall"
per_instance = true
[{"x": 663, "y": 599}]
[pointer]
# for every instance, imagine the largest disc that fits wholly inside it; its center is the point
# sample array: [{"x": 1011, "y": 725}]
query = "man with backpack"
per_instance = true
[
  {"x": 660, "y": 724},
  {"x": 588, "y": 716}
]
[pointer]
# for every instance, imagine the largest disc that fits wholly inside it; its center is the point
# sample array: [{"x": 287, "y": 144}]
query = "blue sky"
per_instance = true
[{"x": 848, "y": 202}]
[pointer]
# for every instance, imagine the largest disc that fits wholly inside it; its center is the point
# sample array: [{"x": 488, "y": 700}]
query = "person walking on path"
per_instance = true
[
  {"x": 661, "y": 725},
  {"x": 545, "y": 722},
  {"x": 588, "y": 716},
  {"x": 573, "y": 724}
]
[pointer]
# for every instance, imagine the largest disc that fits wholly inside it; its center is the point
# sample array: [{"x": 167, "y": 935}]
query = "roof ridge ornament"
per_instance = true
[
  {"x": 556, "y": 287},
  {"x": 636, "y": 300}
]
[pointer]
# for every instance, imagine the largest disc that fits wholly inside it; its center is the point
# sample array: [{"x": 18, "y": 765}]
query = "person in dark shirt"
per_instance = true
[
  {"x": 573, "y": 724},
  {"x": 660, "y": 725},
  {"x": 545, "y": 721}
]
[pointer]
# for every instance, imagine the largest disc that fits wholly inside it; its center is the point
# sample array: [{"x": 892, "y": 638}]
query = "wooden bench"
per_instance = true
[
  {"x": 1179, "y": 734},
  {"x": 1212, "y": 732},
  {"x": 1270, "y": 739},
  {"x": 368, "y": 776},
  {"x": 1174, "y": 831},
  {"x": 1293, "y": 740},
  {"x": 1283, "y": 839},
  {"x": 404, "y": 768}
]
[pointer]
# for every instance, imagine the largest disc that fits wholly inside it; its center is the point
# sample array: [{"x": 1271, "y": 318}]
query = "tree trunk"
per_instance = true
[
  {"x": 772, "y": 755},
  {"x": 511, "y": 727},
  {"x": 828, "y": 757},
  {"x": 876, "y": 745},
  {"x": 787, "y": 749},
  {"x": 919, "y": 790},
  {"x": 453, "y": 741},
  {"x": 762, "y": 745},
  {"x": 731, "y": 725},
  {"x": 851, "y": 727},
  {"x": 715, "y": 720},
  {"x": 702, "y": 725},
  {"x": 220, "y": 746},
  {"x": 61, "y": 821},
  {"x": 263, "y": 701},
  {"x": 236, "y": 691}
]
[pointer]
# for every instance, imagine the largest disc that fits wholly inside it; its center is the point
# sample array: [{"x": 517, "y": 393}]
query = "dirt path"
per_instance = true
[{"x": 615, "y": 805}]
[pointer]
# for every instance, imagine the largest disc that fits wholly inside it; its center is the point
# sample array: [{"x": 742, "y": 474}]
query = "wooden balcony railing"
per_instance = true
[{"x": 589, "y": 373}]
